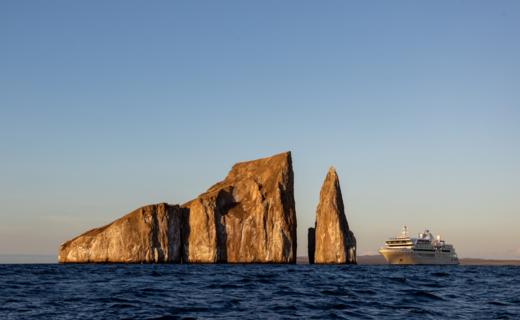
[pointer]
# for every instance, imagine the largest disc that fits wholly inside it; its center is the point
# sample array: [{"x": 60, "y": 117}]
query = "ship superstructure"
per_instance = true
[{"x": 425, "y": 249}]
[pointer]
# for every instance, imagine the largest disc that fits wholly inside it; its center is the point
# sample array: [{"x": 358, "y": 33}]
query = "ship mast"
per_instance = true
[{"x": 404, "y": 232}]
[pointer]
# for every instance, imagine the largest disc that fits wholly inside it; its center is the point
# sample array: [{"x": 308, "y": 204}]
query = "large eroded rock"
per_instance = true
[
  {"x": 334, "y": 242},
  {"x": 249, "y": 217},
  {"x": 148, "y": 234}
]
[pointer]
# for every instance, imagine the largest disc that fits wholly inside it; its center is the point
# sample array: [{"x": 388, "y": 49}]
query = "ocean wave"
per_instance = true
[{"x": 257, "y": 291}]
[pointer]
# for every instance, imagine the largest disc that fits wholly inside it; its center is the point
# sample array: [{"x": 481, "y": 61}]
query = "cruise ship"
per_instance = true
[{"x": 425, "y": 249}]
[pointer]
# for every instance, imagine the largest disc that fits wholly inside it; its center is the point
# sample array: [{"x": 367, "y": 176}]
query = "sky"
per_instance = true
[{"x": 106, "y": 106}]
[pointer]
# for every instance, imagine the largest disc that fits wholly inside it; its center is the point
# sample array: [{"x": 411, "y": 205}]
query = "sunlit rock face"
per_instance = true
[
  {"x": 334, "y": 242},
  {"x": 249, "y": 217},
  {"x": 151, "y": 234}
]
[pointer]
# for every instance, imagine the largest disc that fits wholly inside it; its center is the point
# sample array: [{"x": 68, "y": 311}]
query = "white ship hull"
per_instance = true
[{"x": 410, "y": 256}]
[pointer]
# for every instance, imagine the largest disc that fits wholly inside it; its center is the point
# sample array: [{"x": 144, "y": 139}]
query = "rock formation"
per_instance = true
[
  {"x": 334, "y": 242},
  {"x": 249, "y": 217},
  {"x": 311, "y": 244},
  {"x": 148, "y": 234}
]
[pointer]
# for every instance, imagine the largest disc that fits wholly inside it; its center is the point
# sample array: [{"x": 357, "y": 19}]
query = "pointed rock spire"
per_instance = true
[{"x": 334, "y": 242}]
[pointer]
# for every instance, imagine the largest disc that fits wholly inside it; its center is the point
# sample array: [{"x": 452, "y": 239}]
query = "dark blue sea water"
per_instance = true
[{"x": 258, "y": 291}]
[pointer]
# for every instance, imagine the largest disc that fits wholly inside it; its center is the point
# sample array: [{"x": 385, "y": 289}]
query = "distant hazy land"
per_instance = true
[
  {"x": 27, "y": 258},
  {"x": 372, "y": 259},
  {"x": 377, "y": 259}
]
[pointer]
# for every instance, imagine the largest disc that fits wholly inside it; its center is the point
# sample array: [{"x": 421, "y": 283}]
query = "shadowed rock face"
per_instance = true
[
  {"x": 311, "y": 244},
  {"x": 249, "y": 217},
  {"x": 148, "y": 234},
  {"x": 334, "y": 242}
]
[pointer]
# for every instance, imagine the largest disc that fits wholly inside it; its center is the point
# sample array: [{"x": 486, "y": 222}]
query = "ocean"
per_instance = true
[{"x": 117, "y": 291}]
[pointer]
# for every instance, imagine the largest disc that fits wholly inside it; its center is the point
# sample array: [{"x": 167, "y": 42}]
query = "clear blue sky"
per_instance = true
[{"x": 107, "y": 106}]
